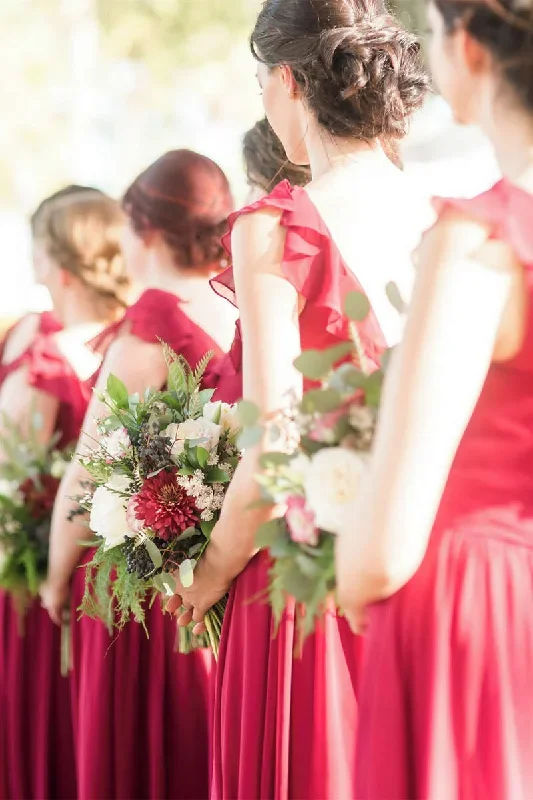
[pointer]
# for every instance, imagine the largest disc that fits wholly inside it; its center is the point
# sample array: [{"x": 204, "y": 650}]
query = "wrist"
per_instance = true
[{"x": 226, "y": 563}]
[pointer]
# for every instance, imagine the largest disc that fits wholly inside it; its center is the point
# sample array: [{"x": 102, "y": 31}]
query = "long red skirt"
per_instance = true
[
  {"x": 36, "y": 742},
  {"x": 142, "y": 710},
  {"x": 285, "y": 726}
]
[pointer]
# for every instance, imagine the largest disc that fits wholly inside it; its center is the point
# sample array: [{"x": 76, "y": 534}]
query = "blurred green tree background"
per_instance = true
[{"x": 92, "y": 89}]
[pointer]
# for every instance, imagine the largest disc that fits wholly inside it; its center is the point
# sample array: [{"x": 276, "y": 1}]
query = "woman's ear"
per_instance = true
[{"x": 287, "y": 78}]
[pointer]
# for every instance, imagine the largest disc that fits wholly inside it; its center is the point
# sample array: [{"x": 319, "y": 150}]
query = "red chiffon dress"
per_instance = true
[
  {"x": 285, "y": 724},
  {"x": 143, "y": 710},
  {"x": 446, "y": 696},
  {"x": 36, "y": 735}
]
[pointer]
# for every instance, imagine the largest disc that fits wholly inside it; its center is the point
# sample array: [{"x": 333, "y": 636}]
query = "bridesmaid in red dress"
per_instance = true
[
  {"x": 142, "y": 710},
  {"x": 52, "y": 374},
  {"x": 439, "y": 568},
  {"x": 335, "y": 77}
]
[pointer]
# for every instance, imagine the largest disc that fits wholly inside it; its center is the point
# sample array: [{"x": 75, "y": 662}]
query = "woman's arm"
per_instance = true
[
  {"x": 139, "y": 365},
  {"x": 269, "y": 310},
  {"x": 467, "y": 291},
  {"x": 29, "y": 409}
]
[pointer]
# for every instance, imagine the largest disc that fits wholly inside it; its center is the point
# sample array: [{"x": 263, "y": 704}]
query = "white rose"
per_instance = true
[
  {"x": 108, "y": 511},
  {"x": 10, "y": 489},
  {"x": 192, "y": 429},
  {"x": 225, "y": 414},
  {"x": 332, "y": 485},
  {"x": 58, "y": 468},
  {"x": 117, "y": 443}
]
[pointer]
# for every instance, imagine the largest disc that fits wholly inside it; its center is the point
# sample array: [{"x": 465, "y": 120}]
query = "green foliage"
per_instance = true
[
  {"x": 356, "y": 306},
  {"x": 316, "y": 364}
]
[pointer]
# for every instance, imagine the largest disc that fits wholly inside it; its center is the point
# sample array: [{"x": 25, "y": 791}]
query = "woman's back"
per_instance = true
[
  {"x": 492, "y": 473},
  {"x": 375, "y": 218}
]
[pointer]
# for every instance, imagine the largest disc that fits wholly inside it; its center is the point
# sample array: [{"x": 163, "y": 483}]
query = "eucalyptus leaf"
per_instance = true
[
  {"x": 274, "y": 459},
  {"x": 248, "y": 413},
  {"x": 154, "y": 553},
  {"x": 117, "y": 391},
  {"x": 165, "y": 584},
  {"x": 321, "y": 400},
  {"x": 385, "y": 359},
  {"x": 187, "y": 534},
  {"x": 347, "y": 377},
  {"x": 356, "y": 306},
  {"x": 373, "y": 388},
  {"x": 249, "y": 437},
  {"x": 316, "y": 364},
  {"x": 394, "y": 297},
  {"x": 186, "y": 571}
]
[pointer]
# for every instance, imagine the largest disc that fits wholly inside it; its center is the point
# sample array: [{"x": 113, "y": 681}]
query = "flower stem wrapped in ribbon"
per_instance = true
[
  {"x": 315, "y": 479},
  {"x": 160, "y": 472}
]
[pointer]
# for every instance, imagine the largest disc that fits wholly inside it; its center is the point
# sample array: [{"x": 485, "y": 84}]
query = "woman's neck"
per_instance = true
[
  {"x": 511, "y": 135},
  {"x": 327, "y": 152},
  {"x": 162, "y": 273}
]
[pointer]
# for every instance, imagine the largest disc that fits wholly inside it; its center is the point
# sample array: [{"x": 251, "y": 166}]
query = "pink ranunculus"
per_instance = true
[
  {"x": 135, "y": 524},
  {"x": 301, "y": 521}
]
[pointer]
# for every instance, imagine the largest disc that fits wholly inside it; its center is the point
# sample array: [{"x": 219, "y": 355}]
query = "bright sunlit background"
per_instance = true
[{"x": 93, "y": 90}]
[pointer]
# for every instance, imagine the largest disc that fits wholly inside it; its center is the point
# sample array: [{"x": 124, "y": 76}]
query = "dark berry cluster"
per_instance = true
[
  {"x": 153, "y": 452},
  {"x": 138, "y": 561}
]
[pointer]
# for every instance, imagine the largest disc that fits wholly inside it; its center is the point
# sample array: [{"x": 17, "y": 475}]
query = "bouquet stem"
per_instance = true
[
  {"x": 66, "y": 653},
  {"x": 213, "y": 623}
]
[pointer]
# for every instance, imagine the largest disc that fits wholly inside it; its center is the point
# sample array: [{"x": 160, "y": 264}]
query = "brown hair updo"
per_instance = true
[
  {"x": 186, "y": 198},
  {"x": 265, "y": 160},
  {"x": 358, "y": 69},
  {"x": 505, "y": 29},
  {"x": 81, "y": 232}
]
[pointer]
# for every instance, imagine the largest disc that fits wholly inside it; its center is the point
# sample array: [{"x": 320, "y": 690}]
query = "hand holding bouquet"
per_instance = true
[
  {"x": 316, "y": 479},
  {"x": 160, "y": 472}
]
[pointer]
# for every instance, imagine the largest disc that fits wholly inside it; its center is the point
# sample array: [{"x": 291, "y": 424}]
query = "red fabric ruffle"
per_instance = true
[{"x": 312, "y": 264}]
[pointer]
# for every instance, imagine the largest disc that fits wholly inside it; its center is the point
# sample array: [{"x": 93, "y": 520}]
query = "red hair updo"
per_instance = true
[{"x": 186, "y": 198}]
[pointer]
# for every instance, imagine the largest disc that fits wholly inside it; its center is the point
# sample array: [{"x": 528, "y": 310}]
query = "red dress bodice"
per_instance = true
[
  {"x": 158, "y": 316},
  {"x": 314, "y": 266}
]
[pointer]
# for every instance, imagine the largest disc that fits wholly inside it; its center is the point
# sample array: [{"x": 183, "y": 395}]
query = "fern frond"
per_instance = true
[{"x": 200, "y": 369}]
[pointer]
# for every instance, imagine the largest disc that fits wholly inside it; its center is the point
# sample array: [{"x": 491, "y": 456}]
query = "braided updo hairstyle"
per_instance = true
[
  {"x": 265, "y": 161},
  {"x": 80, "y": 232},
  {"x": 505, "y": 29},
  {"x": 359, "y": 71},
  {"x": 186, "y": 198},
  {"x": 71, "y": 190}
]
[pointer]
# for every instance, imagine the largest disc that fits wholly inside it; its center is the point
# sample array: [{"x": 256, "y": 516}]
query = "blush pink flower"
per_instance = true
[
  {"x": 135, "y": 524},
  {"x": 301, "y": 521}
]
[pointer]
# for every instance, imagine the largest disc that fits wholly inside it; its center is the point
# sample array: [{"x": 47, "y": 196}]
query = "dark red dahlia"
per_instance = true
[
  {"x": 165, "y": 506},
  {"x": 39, "y": 496}
]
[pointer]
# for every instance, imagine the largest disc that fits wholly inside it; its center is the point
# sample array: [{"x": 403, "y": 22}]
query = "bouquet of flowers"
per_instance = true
[
  {"x": 29, "y": 478},
  {"x": 159, "y": 474},
  {"x": 314, "y": 477}
]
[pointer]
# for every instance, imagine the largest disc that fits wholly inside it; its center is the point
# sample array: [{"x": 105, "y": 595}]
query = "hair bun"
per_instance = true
[
  {"x": 359, "y": 70},
  {"x": 373, "y": 67}
]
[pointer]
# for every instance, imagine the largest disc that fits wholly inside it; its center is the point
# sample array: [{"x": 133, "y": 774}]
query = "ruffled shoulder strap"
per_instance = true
[
  {"x": 50, "y": 371},
  {"x": 48, "y": 323},
  {"x": 312, "y": 263},
  {"x": 40, "y": 324},
  {"x": 156, "y": 317},
  {"x": 506, "y": 209}
]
